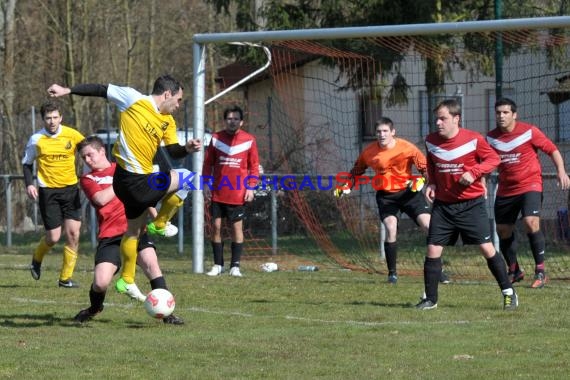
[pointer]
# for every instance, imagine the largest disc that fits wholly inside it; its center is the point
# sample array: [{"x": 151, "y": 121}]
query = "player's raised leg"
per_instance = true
[{"x": 180, "y": 184}]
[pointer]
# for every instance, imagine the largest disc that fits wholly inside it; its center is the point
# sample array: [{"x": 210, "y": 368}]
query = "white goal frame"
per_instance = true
[{"x": 200, "y": 42}]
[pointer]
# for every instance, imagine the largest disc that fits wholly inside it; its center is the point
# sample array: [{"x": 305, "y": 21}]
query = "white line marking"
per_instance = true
[{"x": 250, "y": 315}]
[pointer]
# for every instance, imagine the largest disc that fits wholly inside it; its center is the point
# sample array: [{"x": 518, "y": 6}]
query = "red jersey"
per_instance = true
[
  {"x": 233, "y": 161},
  {"x": 448, "y": 159},
  {"x": 520, "y": 170},
  {"x": 111, "y": 217},
  {"x": 393, "y": 166}
]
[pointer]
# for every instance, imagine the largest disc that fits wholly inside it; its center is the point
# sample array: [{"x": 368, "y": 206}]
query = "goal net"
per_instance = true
[{"x": 313, "y": 111}]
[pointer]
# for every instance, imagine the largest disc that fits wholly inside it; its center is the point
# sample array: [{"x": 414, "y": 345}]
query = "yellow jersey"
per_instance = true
[
  {"x": 141, "y": 129},
  {"x": 55, "y": 156}
]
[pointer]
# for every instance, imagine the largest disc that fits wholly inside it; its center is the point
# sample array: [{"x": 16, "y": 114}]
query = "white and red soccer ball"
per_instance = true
[{"x": 159, "y": 303}]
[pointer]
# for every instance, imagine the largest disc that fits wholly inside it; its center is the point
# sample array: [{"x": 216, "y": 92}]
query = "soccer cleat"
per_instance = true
[
  {"x": 67, "y": 284},
  {"x": 516, "y": 276},
  {"x": 132, "y": 290},
  {"x": 173, "y": 320},
  {"x": 539, "y": 280},
  {"x": 169, "y": 229},
  {"x": 216, "y": 270},
  {"x": 235, "y": 272},
  {"x": 86, "y": 315},
  {"x": 510, "y": 302},
  {"x": 444, "y": 278},
  {"x": 393, "y": 279},
  {"x": 426, "y": 304},
  {"x": 36, "y": 269}
]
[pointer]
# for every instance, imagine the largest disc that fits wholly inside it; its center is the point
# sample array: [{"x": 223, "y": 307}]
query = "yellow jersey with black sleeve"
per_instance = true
[
  {"x": 141, "y": 129},
  {"x": 55, "y": 156}
]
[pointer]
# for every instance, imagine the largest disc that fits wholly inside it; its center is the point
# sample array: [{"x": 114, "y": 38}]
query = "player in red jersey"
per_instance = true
[
  {"x": 97, "y": 184},
  {"x": 457, "y": 159},
  {"x": 520, "y": 185},
  {"x": 233, "y": 161}
]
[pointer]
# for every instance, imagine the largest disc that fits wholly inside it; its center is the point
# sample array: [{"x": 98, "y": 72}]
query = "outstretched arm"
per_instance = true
[{"x": 100, "y": 90}]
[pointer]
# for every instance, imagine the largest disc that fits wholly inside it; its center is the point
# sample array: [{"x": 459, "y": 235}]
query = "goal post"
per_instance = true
[{"x": 325, "y": 96}]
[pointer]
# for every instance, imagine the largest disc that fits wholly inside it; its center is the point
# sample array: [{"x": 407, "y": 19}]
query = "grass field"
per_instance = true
[{"x": 330, "y": 324}]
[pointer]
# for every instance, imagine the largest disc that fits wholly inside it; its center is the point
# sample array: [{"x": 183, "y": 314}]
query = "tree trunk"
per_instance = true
[
  {"x": 10, "y": 156},
  {"x": 129, "y": 40},
  {"x": 150, "y": 74}
]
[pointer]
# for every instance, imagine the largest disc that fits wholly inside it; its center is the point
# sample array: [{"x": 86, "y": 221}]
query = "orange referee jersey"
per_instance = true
[{"x": 392, "y": 166}]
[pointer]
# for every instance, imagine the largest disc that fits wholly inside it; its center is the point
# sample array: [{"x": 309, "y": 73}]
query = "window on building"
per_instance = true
[
  {"x": 563, "y": 121},
  {"x": 370, "y": 111}
]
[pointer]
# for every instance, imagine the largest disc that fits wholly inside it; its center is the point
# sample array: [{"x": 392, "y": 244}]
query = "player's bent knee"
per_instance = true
[{"x": 185, "y": 178}]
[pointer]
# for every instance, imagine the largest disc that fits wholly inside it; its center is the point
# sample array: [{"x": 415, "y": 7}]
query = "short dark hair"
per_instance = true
[
  {"x": 166, "y": 83},
  {"x": 506, "y": 102},
  {"x": 234, "y": 108},
  {"x": 452, "y": 106},
  {"x": 93, "y": 140},
  {"x": 385, "y": 120},
  {"x": 48, "y": 107}
]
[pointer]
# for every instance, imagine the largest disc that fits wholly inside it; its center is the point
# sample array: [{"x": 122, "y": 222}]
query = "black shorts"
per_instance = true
[
  {"x": 234, "y": 213},
  {"x": 56, "y": 205},
  {"x": 412, "y": 203},
  {"x": 109, "y": 249},
  {"x": 139, "y": 191},
  {"x": 468, "y": 219},
  {"x": 507, "y": 209}
]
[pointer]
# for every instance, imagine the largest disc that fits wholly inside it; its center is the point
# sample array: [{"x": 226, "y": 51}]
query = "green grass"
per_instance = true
[{"x": 330, "y": 324}]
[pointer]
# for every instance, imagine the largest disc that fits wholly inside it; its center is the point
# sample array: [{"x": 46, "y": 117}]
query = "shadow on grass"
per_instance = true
[
  {"x": 43, "y": 320},
  {"x": 401, "y": 305},
  {"x": 12, "y": 286},
  {"x": 34, "y": 320}
]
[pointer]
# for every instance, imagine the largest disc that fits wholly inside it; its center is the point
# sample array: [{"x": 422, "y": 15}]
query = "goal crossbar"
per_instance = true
[{"x": 387, "y": 30}]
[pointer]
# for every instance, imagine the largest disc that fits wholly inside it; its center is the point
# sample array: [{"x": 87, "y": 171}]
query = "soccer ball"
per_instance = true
[
  {"x": 159, "y": 303},
  {"x": 269, "y": 267}
]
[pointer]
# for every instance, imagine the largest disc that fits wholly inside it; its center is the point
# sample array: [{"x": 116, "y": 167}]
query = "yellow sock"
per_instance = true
[
  {"x": 41, "y": 250},
  {"x": 69, "y": 260},
  {"x": 129, "y": 258},
  {"x": 170, "y": 206}
]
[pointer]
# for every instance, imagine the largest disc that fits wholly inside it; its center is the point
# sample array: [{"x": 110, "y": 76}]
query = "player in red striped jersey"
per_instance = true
[
  {"x": 233, "y": 162},
  {"x": 97, "y": 184},
  {"x": 520, "y": 185},
  {"x": 457, "y": 159}
]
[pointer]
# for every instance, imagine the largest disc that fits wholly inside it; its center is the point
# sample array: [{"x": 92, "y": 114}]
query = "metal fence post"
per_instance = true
[
  {"x": 274, "y": 220},
  {"x": 8, "y": 192}
]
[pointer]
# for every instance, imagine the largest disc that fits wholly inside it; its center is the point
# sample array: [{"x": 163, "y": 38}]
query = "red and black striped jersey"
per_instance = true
[
  {"x": 233, "y": 161},
  {"x": 448, "y": 159},
  {"x": 520, "y": 170}
]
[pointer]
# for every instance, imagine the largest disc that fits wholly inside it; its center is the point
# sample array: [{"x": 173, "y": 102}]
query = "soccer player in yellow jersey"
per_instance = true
[
  {"x": 53, "y": 148},
  {"x": 145, "y": 122}
]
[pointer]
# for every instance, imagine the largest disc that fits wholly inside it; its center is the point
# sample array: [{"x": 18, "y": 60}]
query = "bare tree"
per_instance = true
[{"x": 9, "y": 157}]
